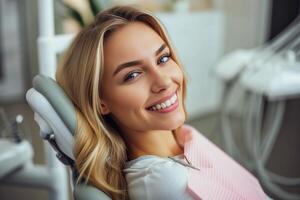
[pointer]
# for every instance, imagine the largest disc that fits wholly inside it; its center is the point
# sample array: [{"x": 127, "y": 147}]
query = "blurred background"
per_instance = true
[{"x": 204, "y": 32}]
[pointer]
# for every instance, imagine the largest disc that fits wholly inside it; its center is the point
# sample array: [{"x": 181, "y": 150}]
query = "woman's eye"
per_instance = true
[
  {"x": 131, "y": 76},
  {"x": 164, "y": 59}
]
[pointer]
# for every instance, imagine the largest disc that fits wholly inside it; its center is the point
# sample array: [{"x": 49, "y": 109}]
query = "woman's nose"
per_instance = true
[{"x": 161, "y": 81}]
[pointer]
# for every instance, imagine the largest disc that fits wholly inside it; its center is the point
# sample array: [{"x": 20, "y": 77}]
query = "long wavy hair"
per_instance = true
[{"x": 100, "y": 151}]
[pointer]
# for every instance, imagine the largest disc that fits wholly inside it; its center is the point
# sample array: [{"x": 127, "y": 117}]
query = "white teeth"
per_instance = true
[
  {"x": 165, "y": 104},
  {"x": 158, "y": 106},
  {"x": 168, "y": 103},
  {"x": 173, "y": 99}
]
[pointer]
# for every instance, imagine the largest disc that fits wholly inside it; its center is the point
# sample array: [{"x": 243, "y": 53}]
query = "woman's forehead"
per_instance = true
[{"x": 133, "y": 41}]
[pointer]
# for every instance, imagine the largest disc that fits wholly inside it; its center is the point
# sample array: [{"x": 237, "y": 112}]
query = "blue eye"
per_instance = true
[
  {"x": 131, "y": 76},
  {"x": 163, "y": 59}
]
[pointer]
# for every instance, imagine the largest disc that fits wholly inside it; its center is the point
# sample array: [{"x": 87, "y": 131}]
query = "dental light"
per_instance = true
[{"x": 270, "y": 73}]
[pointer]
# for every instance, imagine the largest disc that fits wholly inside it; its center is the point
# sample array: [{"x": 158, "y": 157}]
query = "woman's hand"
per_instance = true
[{"x": 184, "y": 135}]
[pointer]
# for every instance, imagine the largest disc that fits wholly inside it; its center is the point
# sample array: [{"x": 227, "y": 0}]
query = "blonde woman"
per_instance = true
[{"x": 128, "y": 88}]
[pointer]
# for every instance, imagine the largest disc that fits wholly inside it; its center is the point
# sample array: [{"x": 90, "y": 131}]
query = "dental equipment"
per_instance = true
[
  {"x": 14, "y": 151},
  {"x": 269, "y": 74}
]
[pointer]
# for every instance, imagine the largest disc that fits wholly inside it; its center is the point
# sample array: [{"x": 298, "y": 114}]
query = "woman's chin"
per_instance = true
[{"x": 173, "y": 123}]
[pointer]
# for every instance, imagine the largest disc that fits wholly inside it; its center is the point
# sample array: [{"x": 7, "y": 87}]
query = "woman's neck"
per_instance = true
[{"x": 159, "y": 143}]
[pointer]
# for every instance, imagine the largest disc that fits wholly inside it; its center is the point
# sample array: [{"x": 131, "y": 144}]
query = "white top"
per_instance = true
[{"x": 156, "y": 178}]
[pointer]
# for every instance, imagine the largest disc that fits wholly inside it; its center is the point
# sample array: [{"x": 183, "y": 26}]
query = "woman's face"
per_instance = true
[{"x": 142, "y": 85}]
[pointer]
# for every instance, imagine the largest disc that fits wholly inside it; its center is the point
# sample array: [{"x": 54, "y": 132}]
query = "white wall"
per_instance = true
[
  {"x": 12, "y": 84},
  {"x": 199, "y": 40},
  {"x": 246, "y": 22}
]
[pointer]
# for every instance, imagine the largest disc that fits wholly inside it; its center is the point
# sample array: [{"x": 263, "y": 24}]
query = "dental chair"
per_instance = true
[{"x": 56, "y": 117}]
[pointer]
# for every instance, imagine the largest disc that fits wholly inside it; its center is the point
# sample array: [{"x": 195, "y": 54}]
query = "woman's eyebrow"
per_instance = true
[
  {"x": 161, "y": 48},
  {"x": 137, "y": 62}
]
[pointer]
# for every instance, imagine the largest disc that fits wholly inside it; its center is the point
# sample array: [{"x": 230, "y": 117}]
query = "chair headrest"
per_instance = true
[
  {"x": 54, "y": 113},
  {"x": 57, "y": 98}
]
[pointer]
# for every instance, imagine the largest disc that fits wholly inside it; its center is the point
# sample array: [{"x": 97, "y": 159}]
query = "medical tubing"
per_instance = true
[
  {"x": 275, "y": 113},
  {"x": 227, "y": 132},
  {"x": 273, "y": 129},
  {"x": 250, "y": 106},
  {"x": 271, "y": 186},
  {"x": 293, "y": 44},
  {"x": 297, "y": 53},
  {"x": 248, "y": 132},
  {"x": 270, "y": 48},
  {"x": 268, "y": 177},
  {"x": 289, "y": 181},
  {"x": 244, "y": 157},
  {"x": 265, "y": 175},
  {"x": 227, "y": 126},
  {"x": 290, "y": 31},
  {"x": 257, "y": 120},
  {"x": 297, "y": 48},
  {"x": 246, "y": 135},
  {"x": 224, "y": 124},
  {"x": 245, "y": 113},
  {"x": 259, "y": 147}
]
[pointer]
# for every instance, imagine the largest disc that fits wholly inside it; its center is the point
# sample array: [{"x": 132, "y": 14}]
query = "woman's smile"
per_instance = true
[{"x": 166, "y": 104}]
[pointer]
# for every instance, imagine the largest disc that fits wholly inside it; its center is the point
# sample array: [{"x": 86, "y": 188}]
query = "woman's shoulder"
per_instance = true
[
  {"x": 151, "y": 164},
  {"x": 153, "y": 177},
  {"x": 154, "y": 171}
]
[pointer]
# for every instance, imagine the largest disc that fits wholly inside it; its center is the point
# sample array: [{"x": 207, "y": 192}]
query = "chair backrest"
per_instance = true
[{"x": 56, "y": 117}]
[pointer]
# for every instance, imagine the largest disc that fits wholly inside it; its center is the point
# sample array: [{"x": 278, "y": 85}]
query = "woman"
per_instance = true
[{"x": 128, "y": 88}]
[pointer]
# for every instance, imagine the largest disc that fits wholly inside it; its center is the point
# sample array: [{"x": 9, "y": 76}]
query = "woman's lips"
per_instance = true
[
  {"x": 168, "y": 109},
  {"x": 164, "y": 99},
  {"x": 169, "y": 104}
]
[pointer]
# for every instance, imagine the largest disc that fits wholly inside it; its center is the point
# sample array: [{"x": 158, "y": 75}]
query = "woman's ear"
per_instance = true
[{"x": 104, "y": 108}]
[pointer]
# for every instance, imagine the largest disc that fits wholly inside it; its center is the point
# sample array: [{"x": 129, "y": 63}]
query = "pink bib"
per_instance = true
[{"x": 219, "y": 176}]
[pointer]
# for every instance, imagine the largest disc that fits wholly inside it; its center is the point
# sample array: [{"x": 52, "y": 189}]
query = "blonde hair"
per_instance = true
[{"x": 100, "y": 152}]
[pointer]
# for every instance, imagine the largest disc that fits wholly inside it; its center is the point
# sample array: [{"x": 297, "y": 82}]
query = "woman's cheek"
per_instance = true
[
  {"x": 176, "y": 73},
  {"x": 130, "y": 97}
]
